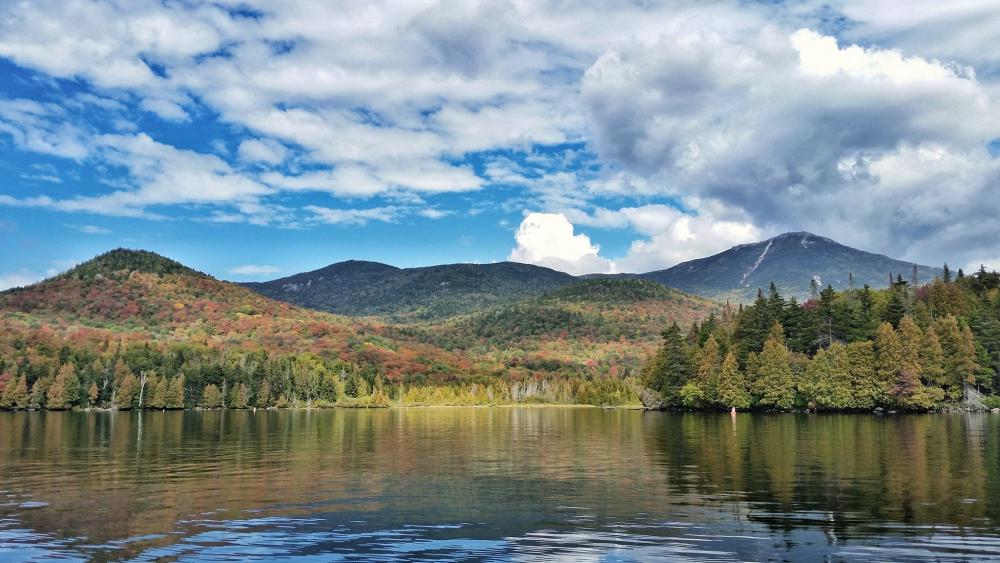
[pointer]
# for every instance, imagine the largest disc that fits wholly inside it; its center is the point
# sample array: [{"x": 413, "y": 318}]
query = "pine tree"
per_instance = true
[
  {"x": 175, "y": 392},
  {"x": 125, "y": 395},
  {"x": 707, "y": 377},
  {"x": 92, "y": 394},
  {"x": 240, "y": 396},
  {"x": 158, "y": 399},
  {"x": 865, "y": 386},
  {"x": 911, "y": 344},
  {"x": 732, "y": 385},
  {"x": 771, "y": 379},
  {"x": 932, "y": 359},
  {"x": 211, "y": 397},
  {"x": 20, "y": 397},
  {"x": 888, "y": 357},
  {"x": 65, "y": 389},
  {"x": 957, "y": 365},
  {"x": 264, "y": 394},
  {"x": 670, "y": 368},
  {"x": 827, "y": 382},
  {"x": 39, "y": 392},
  {"x": 895, "y": 309}
]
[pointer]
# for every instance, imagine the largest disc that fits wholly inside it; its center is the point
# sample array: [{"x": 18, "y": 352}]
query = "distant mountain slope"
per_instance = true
[
  {"x": 599, "y": 322},
  {"x": 139, "y": 296},
  {"x": 371, "y": 289},
  {"x": 790, "y": 261}
]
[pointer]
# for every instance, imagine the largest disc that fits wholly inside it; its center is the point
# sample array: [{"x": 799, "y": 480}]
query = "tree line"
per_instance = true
[{"x": 906, "y": 347}]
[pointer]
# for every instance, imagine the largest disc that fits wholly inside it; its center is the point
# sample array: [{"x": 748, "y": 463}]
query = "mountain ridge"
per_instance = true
[{"x": 791, "y": 261}]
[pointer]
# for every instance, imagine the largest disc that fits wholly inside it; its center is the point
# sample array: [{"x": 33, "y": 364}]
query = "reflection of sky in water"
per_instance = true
[{"x": 501, "y": 484}]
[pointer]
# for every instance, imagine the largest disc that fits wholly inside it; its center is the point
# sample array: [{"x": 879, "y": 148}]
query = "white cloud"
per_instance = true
[
  {"x": 353, "y": 216},
  {"x": 267, "y": 151},
  {"x": 91, "y": 229},
  {"x": 547, "y": 239},
  {"x": 19, "y": 278},
  {"x": 254, "y": 270},
  {"x": 873, "y": 147}
]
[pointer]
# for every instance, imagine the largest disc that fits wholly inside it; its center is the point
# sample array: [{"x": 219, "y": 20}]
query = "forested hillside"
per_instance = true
[
  {"x": 359, "y": 288},
  {"x": 907, "y": 348}
]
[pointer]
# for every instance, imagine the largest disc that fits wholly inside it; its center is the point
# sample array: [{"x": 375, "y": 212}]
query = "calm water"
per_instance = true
[{"x": 501, "y": 483}]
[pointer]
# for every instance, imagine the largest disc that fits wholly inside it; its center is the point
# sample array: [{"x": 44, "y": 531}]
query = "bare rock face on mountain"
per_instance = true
[{"x": 791, "y": 261}]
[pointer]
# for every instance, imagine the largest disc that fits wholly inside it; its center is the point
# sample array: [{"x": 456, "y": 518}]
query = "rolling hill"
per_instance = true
[
  {"x": 791, "y": 261},
  {"x": 140, "y": 297},
  {"x": 358, "y": 288}
]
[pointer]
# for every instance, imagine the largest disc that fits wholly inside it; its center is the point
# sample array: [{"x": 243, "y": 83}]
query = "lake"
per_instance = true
[{"x": 529, "y": 483}]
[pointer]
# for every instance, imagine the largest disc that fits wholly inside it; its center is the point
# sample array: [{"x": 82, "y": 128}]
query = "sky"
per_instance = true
[{"x": 253, "y": 140}]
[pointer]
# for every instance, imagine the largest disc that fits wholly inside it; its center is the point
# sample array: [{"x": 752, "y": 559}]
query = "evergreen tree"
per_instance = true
[
  {"x": 126, "y": 395},
  {"x": 932, "y": 359},
  {"x": 20, "y": 398},
  {"x": 709, "y": 364},
  {"x": 911, "y": 344},
  {"x": 92, "y": 394},
  {"x": 65, "y": 389},
  {"x": 240, "y": 397},
  {"x": 211, "y": 397},
  {"x": 175, "y": 392},
  {"x": 888, "y": 357},
  {"x": 771, "y": 379},
  {"x": 732, "y": 385},
  {"x": 158, "y": 398},
  {"x": 264, "y": 394},
  {"x": 895, "y": 309},
  {"x": 866, "y": 390},
  {"x": 827, "y": 382},
  {"x": 670, "y": 368},
  {"x": 39, "y": 392}
]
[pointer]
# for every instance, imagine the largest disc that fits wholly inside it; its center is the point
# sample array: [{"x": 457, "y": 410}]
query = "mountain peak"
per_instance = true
[
  {"x": 127, "y": 260},
  {"x": 791, "y": 261}
]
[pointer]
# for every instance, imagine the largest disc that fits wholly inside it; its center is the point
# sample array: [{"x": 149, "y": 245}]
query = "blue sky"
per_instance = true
[{"x": 254, "y": 140}]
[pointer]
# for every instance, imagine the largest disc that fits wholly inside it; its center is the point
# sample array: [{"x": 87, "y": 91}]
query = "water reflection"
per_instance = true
[{"x": 504, "y": 483}]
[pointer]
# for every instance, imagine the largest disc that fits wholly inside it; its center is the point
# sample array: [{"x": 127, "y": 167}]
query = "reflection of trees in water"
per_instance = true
[
  {"x": 851, "y": 475},
  {"x": 516, "y": 468}
]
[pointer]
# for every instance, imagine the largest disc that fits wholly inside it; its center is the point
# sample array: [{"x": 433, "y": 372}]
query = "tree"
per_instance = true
[
  {"x": 125, "y": 395},
  {"x": 670, "y": 368},
  {"x": 732, "y": 385},
  {"x": 175, "y": 392},
  {"x": 707, "y": 375},
  {"x": 888, "y": 357},
  {"x": 865, "y": 386},
  {"x": 20, "y": 397},
  {"x": 211, "y": 397},
  {"x": 911, "y": 343},
  {"x": 895, "y": 309},
  {"x": 39, "y": 391},
  {"x": 65, "y": 389},
  {"x": 910, "y": 394},
  {"x": 92, "y": 394},
  {"x": 264, "y": 394},
  {"x": 827, "y": 381},
  {"x": 239, "y": 397},
  {"x": 158, "y": 399},
  {"x": 771, "y": 376}
]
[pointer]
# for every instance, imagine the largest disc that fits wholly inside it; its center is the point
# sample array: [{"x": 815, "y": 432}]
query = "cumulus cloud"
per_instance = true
[
  {"x": 871, "y": 146},
  {"x": 267, "y": 151},
  {"x": 743, "y": 109},
  {"x": 547, "y": 239},
  {"x": 254, "y": 270},
  {"x": 672, "y": 236}
]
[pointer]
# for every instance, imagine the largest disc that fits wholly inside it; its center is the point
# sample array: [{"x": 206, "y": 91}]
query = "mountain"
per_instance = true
[
  {"x": 590, "y": 325},
  {"x": 140, "y": 296},
  {"x": 358, "y": 288},
  {"x": 791, "y": 261}
]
